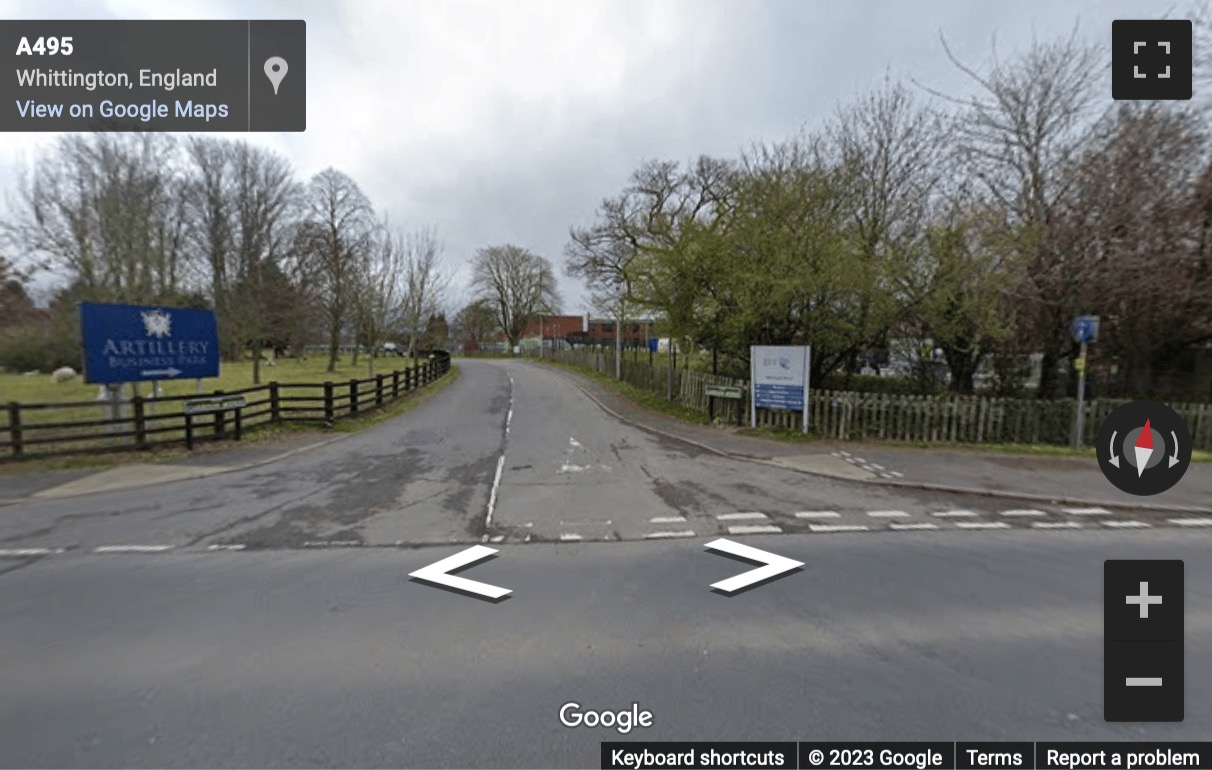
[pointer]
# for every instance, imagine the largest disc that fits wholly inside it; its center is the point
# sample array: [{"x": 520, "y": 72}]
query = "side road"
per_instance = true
[{"x": 1076, "y": 481}]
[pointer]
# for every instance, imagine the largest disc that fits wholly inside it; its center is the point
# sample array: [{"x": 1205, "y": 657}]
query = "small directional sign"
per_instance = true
[
  {"x": 438, "y": 573},
  {"x": 773, "y": 566},
  {"x": 1084, "y": 328}
]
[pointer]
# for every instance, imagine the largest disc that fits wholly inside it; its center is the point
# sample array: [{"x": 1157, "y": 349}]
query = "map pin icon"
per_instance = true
[{"x": 275, "y": 70}]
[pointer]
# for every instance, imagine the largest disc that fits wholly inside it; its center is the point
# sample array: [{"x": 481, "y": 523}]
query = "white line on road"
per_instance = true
[
  {"x": 741, "y": 515},
  {"x": 916, "y": 525},
  {"x": 1191, "y": 522},
  {"x": 1023, "y": 512},
  {"x": 844, "y": 453},
  {"x": 887, "y": 514},
  {"x": 29, "y": 551},
  {"x": 667, "y": 519},
  {"x": 569, "y": 536},
  {"x": 860, "y": 460},
  {"x": 898, "y": 474},
  {"x": 754, "y": 529},
  {"x": 1058, "y": 525},
  {"x": 654, "y": 535},
  {"x": 1087, "y": 511},
  {"x": 131, "y": 548},
  {"x": 953, "y": 514},
  {"x": 226, "y": 547},
  {"x": 839, "y": 527},
  {"x": 877, "y": 467},
  {"x": 508, "y": 420},
  {"x": 817, "y": 515},
  {"x": 1126, "y": 524},
  {"x": 982, "y": 525},
  {"x": 492, "y": 496}
]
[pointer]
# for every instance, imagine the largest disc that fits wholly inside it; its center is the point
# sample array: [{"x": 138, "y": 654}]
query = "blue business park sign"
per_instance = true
[{"x": 136, "y": 343}]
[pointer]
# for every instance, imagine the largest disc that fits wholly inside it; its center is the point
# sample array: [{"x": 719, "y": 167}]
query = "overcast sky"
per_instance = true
[{"x": 507, "y": 122}]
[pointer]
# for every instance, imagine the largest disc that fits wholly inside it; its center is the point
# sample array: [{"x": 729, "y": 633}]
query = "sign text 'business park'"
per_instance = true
[{"x": 137, "y": 343}]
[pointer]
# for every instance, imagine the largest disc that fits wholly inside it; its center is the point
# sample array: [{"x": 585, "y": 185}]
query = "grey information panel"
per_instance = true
[{"x": 193, "y": 76}]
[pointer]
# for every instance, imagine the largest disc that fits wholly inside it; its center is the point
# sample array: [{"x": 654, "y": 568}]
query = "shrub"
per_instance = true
[{"x": 39, "y": 347}]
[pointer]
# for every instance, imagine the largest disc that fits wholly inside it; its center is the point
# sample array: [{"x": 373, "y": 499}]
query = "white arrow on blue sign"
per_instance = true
[{"x": 1084, "y": 328}]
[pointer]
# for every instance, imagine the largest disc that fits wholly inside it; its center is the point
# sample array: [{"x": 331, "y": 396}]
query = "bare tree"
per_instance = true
[
  {"x": 381, "y": 290},
  {"x": 107, "y": 210},
  {"x": 338, "y": 232},
  {"x": 1017, "y": 137},
  {"x": 425, "y": 283},
  {"x": 476, "y": 322},
  {"x": 518, "y": 284}
]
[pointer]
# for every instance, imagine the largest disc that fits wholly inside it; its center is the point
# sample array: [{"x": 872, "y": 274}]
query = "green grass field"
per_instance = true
[
  {"x": 76, "y": 412},
  {"x": 232, "y": 376}
]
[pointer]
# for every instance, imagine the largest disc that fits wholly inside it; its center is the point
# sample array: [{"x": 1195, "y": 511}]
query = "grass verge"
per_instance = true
[
  {"x": 262, "y": 434},
  {"x": 644, "y": 399},
  {"x": 656, "y": 403}
]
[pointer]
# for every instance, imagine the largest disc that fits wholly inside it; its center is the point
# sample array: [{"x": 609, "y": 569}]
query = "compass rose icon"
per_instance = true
[{"x": 1144, "y": 448}]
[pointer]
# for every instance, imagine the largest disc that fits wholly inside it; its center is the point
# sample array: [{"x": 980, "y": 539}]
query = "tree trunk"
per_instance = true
[
  {"x": 256, "y": 353},
  {"x": 963, "y": 367},
  {"x": 334, "y": 347}
]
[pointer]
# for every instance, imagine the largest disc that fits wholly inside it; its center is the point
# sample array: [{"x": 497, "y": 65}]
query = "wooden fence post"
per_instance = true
[
  {"x": 353, "y": 396},
  {"x": 395, "y": 384},
  {"x": 329, "y": 406},
  {"x": 378, "y": 390},
  {"x": 140, "y": 423},
  {"x": 239, "y": 418},
  {"x": 408, "y": 379},
  {"x": 189, "y": 431},
  {"x": 220, "y": 419},
  {"x": 14, "y": 427},
  {"x": 275, "y": 403}
]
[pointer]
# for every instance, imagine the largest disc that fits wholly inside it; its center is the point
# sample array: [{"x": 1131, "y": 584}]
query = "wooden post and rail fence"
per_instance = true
[{"x": 37, "y": 430}]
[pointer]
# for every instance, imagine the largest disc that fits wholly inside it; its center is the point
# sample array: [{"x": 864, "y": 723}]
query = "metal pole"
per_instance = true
[
  {"x": 669, "y": 389},
  {"x": 1081, "y": 400},
  {"x": 618, "y": 344}
]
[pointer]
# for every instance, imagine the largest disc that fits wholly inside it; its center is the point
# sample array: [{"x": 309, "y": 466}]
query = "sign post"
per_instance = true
[
  {"x": 1084, "y": 330},
  {"x": 779, "y": 375}
]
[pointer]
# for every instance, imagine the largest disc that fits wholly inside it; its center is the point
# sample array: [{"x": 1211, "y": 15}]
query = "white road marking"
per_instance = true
[
  {"x": 331, "y": 543},
  {"x": 836, "y": 454},
  {"x": 877, "y": 467},
  {"x": 1023, "y": 512},
  {"x": 654, "y": 535},
  {"x": 225, "y": 547},
  {"x": 492, "y": 496},
  {"x": 1191, "y": 522},
  {"x": 887, "y": 514},
  {"x": 508, "y": 420},
  {"x": 839, "y": 527},
  {"x": 860, "y": 459},
  {"x": 1087, "y": 511},
  {"x": 29, "y": 551},
  {"x": 844, "y": 453},
  {"x": 917, "y": 525},
  {"x": 741, "y": 515},
  {"x": 131, "y": 548},
  {"x": 570, "y": 536},
  {"x": 667, "y": 519},
  {"x": 573, "y": 442},
  {"x": 1129, "y": 523},
  {"x": 817, "y": 514},
  {"x": 982, "y": 525},
  {"x": 1058, "y": 525},
  {"x": 898, "y": 474},
  {"x": 498, "y": 538},
  {"x": 754, "y": 529},
  {"x": 868, "y": 468},
  {"x": 953, "y": 514},
  {"x": 566, "y": 468}
]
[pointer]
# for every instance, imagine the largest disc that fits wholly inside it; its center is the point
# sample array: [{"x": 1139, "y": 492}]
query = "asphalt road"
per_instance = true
[{"x": 129, "y": 638}]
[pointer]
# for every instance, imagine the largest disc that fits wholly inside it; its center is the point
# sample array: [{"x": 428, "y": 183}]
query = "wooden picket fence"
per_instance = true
[{"x": 850, "y": 415}]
